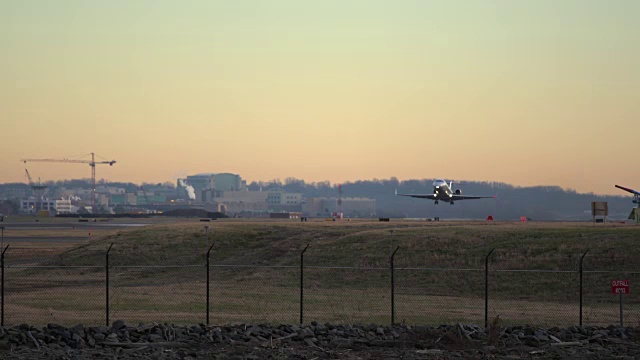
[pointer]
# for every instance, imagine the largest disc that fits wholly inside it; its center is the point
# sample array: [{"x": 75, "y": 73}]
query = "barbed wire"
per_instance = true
[{"x": 320, "y": 267}]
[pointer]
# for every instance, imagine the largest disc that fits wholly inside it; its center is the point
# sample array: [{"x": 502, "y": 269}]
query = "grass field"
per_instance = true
[{"x": 157, "y": 273}]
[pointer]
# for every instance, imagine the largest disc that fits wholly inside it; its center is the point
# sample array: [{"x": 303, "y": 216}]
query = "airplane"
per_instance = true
[
  {"x": 443, "y": 192},
  {"x": 636, "y": 194}
]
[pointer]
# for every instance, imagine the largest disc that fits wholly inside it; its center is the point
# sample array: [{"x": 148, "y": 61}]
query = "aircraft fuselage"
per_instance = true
[{"x": 442, "y": 191}]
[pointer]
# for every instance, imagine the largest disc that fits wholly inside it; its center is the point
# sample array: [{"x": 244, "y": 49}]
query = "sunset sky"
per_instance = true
[{"x": 539, "y": 92}]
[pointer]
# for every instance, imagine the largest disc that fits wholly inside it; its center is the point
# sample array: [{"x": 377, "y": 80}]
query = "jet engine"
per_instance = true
[{"x": 458, "y": 192}]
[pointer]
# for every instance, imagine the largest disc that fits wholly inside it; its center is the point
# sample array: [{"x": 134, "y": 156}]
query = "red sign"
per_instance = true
[
  {"x": 620, "y": 286},
  {"x": 523, "y": 219}
]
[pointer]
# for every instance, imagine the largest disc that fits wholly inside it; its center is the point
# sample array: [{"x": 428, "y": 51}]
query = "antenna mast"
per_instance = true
[{"x": 339, "y": 200}]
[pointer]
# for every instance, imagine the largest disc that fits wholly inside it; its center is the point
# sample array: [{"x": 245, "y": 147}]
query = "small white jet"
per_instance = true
[
  {"x": 636, "y": 194},
  {"x": 443, "y": 192}
]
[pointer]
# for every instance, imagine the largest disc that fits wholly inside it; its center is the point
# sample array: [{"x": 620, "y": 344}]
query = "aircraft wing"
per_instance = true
[
  {"x": 419, "y": 196},
  {"x": 628, "y": 190},
  {"x": 470, "y": 197}
]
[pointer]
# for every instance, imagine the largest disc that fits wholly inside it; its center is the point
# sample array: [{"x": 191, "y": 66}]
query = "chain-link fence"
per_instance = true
[
  {"x": 191, "y": 287},
  {"x": 41, "y": 287}
]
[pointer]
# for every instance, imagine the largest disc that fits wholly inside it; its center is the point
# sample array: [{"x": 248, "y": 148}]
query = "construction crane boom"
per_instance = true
[
  {"x": 91, "y": 163},
  {"x": 33, "y": 185},
  {"x": 29, "y": 177}
]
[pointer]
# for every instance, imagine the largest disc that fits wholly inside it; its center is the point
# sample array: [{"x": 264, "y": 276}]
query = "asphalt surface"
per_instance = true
[
  {"x": 21, "y": 231},
  {"x": 57, "y": 226},
  {"x": 44, "y": 239}
]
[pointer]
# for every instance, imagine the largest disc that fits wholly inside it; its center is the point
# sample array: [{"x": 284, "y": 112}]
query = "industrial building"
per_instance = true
[
  {"x": 228, "y": 193},
  {"x": 283, "y": 198},
  {"x": 237, "y": 201},
  {"x": 208, "y": 186},
  {"x": 32, "y": 206}
]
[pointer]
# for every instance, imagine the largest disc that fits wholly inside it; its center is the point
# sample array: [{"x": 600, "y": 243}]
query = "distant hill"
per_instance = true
[{"x": 538, "y": 202}]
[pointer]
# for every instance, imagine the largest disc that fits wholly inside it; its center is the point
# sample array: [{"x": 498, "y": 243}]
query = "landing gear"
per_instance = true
[
  {"x": 436, "y": 202},
  {"x": 451, "y": 202}
]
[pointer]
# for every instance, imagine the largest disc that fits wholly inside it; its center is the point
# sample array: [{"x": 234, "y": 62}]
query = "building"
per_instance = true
[
  {"x": 110, "y": 190},
  {"x": 64, "y": 207},
  {"x": 201, "y": 183},
  {"x": 243, "y": 196},
  {"x": 102, "y": 200},
  {"x": 233, "y": 202},
  {"x": 209, "y": 186},
  {"x": 283, "y": 198},
  {"x": 32, "y": 205},
  {"x": 240, "y": 206},
  {"x": 228, "y": 182},
  {"x": 150, "y": 199},
  {"x": 124, "y": 199}
]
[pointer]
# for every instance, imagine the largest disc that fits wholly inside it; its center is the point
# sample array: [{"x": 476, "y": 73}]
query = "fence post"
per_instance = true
[
  {"x": 486, "y": 289},
  {"x": 208, "y": 261},
  {"x": 581, "y": 259},
  {"x": 302, "y": 284},
  {"x": 106, "y": 267},
  {"x": 621, "y": 318},
  {"x": 393, "y": 289},
  {"x": 2, "y": 292}
]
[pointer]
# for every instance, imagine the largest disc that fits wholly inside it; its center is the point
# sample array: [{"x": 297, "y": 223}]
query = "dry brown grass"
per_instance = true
[{"x": 259, "y": 295}]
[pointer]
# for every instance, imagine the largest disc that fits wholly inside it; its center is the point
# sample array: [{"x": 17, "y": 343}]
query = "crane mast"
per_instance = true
[{"x": 92, "y": 163}]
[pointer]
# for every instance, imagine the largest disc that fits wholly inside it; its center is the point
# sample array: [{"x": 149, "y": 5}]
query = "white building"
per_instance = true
[
  {"x": 31, "y": 206},
  {"x": 63, "y": 207}
]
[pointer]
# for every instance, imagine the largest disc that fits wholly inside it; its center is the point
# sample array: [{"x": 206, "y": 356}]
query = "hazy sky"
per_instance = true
[{"x": 533, "y": 92}]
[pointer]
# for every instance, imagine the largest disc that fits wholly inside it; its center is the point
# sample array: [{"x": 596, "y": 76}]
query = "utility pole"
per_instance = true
[
  {"x": 340, "y": 200},
  {"x": 206, "y": 231},
  {"x": 391, "y": 237}
]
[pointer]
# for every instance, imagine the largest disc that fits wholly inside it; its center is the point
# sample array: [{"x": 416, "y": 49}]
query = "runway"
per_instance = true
[{"x": 58, "y": 231}]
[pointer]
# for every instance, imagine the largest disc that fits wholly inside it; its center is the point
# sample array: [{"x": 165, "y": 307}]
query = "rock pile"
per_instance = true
[{"x": 321, "y": 340}]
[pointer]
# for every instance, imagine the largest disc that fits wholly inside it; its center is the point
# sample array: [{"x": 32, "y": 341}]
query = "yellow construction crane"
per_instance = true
[
  {"x": 33, "y": 185},
  {"x": 38, "y": 189},
  {"x": 91, "y": 163}
]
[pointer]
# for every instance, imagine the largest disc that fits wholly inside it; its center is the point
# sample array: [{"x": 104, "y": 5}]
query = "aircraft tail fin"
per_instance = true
[{"x": 628, "y": 190}]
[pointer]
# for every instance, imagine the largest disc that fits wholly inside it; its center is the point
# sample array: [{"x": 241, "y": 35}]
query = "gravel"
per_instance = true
[{"x": 316, "y": 341}]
